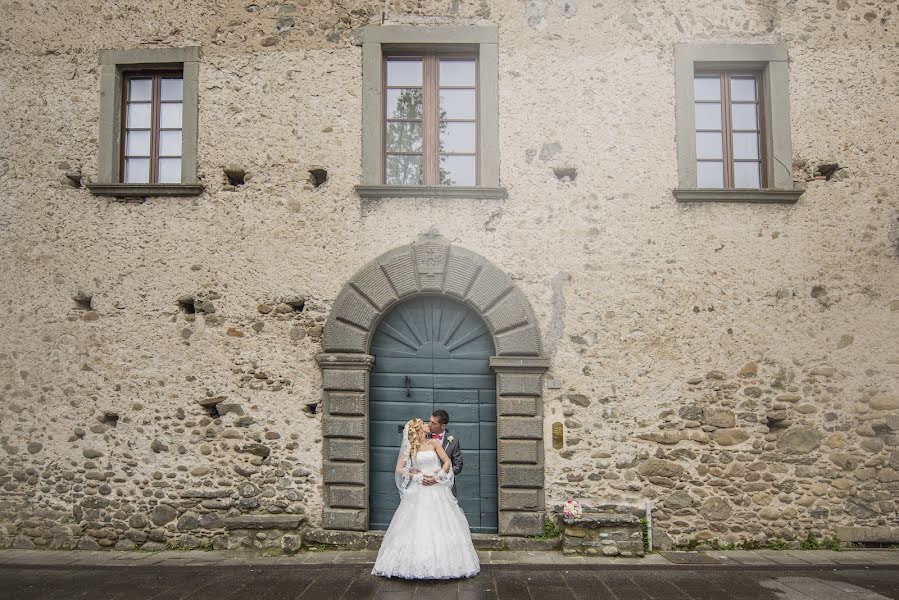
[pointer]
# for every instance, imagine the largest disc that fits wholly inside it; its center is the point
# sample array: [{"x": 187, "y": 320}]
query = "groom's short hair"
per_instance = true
[{"x": 442, "y": 416}]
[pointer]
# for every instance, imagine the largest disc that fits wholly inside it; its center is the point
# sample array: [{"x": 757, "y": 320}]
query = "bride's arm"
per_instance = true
[{"x": 444, "y": 458}]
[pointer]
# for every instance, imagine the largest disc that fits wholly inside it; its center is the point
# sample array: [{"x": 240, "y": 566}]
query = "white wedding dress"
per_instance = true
[{"x": 428, "y": 537}]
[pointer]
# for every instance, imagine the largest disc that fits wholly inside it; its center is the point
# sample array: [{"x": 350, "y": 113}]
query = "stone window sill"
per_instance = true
[
  {"x": 426, "y": 191},
  {"x": 143, "y": 190},
  {"x": 742, "y": 195}
]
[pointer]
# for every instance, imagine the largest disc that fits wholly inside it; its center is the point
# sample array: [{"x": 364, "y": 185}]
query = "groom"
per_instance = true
[{"x": 437, "y": 425}]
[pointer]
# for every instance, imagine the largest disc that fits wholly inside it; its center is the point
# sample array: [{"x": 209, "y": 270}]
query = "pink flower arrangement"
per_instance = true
[{"x": 572, "y": 510}]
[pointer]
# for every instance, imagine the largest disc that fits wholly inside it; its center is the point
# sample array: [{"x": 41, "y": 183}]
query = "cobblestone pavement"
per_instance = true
[{"x": 349, "y": 582}]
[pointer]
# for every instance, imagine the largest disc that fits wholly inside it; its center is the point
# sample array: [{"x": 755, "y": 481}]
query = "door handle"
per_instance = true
[{"x": 408, "y": 381}]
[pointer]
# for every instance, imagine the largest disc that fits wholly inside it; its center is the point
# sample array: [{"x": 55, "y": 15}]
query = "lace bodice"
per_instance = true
[{"x": 427, "y": 461}]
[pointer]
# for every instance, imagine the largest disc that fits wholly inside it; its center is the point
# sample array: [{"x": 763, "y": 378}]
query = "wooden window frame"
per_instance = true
[
  {"x": 155, "y": 100},
  {"x": 727, "y": 131},
  {"x": 430, "y": 120}
]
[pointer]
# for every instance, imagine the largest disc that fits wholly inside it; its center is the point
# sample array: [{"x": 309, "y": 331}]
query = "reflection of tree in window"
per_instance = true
[
  {"x": 444, "y": 175},
  {"x": 404, "y": 135}
]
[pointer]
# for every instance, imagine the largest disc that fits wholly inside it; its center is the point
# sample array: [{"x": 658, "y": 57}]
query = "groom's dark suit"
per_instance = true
[{"x": 454, "y": 451}]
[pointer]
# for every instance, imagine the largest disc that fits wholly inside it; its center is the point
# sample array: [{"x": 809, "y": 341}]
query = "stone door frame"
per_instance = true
[{"x": 432, "y": 266}]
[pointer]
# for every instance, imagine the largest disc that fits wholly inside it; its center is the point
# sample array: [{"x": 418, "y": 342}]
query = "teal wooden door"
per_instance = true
[{"x": 433, "y": 353}]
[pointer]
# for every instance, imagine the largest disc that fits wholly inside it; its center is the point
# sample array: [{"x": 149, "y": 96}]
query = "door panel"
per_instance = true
[{"x": 434, "y": 353}]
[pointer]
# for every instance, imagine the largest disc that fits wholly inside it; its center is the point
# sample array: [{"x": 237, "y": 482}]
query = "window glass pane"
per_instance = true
[
  {"x": 170, "y": 143},
  {"x": 137, "y": 170},
  {"x": 743, "y": 116},
  {"x": 403, "y": 137},
  {"x": 171, "y": 88},
  {"x": 169, "y": 170},
  {"x": 137, "y": 143},
  {"x": 141, "y": 90},
  {"x": 708, "y": 145},
  {"x": 708, "y": 116},
  {"x": 170, "y": 115},
  {"x": 404, "y": 104},
  {"x": 707, "y": 88},
  {"x": 404, "y": 72},
  {"x": 746, "y": 175},
  {"x": 457, "y": 104},
  {"x": 138, "y": 116},
  {"x": 458, "y": 170},
  {"x": 457, "y": 72},
  {"x": 458, "y": 137},
  {"x": 403, "y": 169},
  {"x": 742, "y": 89},
  {"x": 710, "y": 174},
  {"x": 746, "y": 145}
]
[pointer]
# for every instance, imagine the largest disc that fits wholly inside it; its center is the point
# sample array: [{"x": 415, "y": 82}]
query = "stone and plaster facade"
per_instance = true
[{"x": 168, "y": 376}]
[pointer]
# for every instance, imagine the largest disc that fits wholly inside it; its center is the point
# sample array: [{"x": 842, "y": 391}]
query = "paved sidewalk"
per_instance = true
[{"x": 489, "y": 559}]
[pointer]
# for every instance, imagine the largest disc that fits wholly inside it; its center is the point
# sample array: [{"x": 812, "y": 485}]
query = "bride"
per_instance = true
[{"x": 428, "y": 537}]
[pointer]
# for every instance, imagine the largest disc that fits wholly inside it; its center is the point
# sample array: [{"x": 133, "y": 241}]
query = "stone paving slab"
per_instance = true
[{"x": 168, "y": 580}]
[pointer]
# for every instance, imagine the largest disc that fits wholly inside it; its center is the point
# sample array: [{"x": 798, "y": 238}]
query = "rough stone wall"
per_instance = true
[{"x": 736, "y": 364}]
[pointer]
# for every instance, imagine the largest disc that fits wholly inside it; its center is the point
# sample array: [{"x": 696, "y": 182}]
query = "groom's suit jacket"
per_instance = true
[{"x": 454, "y": 451}]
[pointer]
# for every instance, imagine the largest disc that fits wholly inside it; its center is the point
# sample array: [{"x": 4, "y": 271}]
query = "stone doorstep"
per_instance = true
[{"x": 371, "y": 540}]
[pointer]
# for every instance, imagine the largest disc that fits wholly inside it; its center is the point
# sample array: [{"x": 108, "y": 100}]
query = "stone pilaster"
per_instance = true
[
  {"x": 345, "y": 431},
  {"x": 519, "y": 420}
]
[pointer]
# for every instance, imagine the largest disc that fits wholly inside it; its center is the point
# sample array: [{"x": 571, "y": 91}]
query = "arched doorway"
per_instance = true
[
  {"x": 431, "y": 267},
  {"x": 432, "y": 353}
]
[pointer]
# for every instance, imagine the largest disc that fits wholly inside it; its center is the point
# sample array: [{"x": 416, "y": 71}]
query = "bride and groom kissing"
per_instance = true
[{"x": 428, "y": 461}]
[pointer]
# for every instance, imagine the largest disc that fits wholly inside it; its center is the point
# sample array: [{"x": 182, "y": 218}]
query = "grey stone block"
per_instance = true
[
  {"x": 461, "y": 269},
  {"x": 868, "y": 534},
  {"x": 490, "y": 284},
  {"x": 508, "y": 313},
  {"x": 521, "y": 476},
  {"x": 522, "y": 428},
  {"x": 347, "y": 427},
  {"x": 338, "y": 403},
  {"x": 372, "y": 282},
  {"x": 517, "y": 342},
  {"x": 345, "y": 519},
  {"x": 430, "y": 262},
  {"x": 519, "y": 384},
  {"x": 353, "y": 380},
  {"x": 340, "y": 337},
  {"x": 521, "y": 523},
  {"x": 352, "y": 307},
  {"x": 517, "y": 406},
  {"x": 512, "y": 499},
  {"x": 345, "y": 472},
  {"x": 399, "y": 265},
  {"x": 342, "y": 449},
  {"x": 519, "y": 451},
  {"x": 347, "y": 496}
]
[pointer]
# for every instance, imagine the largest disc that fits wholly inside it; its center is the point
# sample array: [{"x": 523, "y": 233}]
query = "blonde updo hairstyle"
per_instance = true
[{"x": 416, "y": 431}]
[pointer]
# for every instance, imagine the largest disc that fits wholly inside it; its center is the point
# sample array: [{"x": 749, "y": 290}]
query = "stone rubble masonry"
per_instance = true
[{"x": 734, "y": 364}]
